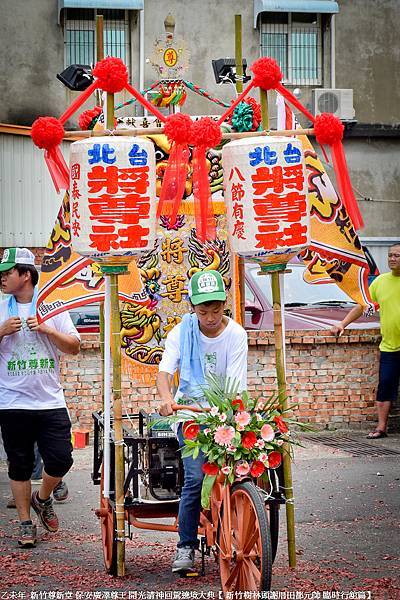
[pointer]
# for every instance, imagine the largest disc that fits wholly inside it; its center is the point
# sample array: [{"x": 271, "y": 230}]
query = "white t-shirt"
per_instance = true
[
  {"x": 29, "y": 364},
  {"x": 224, "y": 355}
]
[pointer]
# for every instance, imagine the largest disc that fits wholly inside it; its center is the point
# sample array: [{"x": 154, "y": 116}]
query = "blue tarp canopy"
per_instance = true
[
  {"x": 296, "y": 6},
  {"x": 110, "y": 4}
]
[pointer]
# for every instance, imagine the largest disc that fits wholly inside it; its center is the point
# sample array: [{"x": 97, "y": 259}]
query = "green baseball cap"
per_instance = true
[
  {"x": 16, "y": 256},
  {"x": 206, "y": 286}
]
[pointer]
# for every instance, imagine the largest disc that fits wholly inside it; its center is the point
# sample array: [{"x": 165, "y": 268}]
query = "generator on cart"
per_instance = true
[{"x": 151, "y": 452}]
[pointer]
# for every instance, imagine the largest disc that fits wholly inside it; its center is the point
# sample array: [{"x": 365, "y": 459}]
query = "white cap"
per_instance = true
[{"x": 16, "y": 256}]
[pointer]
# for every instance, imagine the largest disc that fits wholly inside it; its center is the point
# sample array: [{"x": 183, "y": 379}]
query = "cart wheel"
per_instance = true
[
  {"x": 273, "y": 514},
  {"x": 108, "y": 525},
  {"x": 244, "y": 551}
]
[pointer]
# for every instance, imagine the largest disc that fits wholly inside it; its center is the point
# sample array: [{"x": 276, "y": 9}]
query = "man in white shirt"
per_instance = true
[
  {"x": 206, "y": 342},
  {"x": 32, "y": 405}
]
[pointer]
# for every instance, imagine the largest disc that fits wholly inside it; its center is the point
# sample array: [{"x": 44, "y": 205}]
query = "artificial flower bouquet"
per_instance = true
[{"x": 239, "y": 435}]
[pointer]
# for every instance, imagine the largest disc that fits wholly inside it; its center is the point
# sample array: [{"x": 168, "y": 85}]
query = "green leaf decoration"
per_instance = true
[
  {"x": 187, "y": 452},
  {"x": 208, "y": 482}
]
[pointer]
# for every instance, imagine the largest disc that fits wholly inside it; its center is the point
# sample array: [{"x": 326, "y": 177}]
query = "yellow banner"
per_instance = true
[
  {"x": 165, "y": 273},
  {"x": 68, "y": 280}
]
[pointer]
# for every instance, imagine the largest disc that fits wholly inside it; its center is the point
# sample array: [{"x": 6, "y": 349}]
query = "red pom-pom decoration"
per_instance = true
[
  {"x": 267, "y": 74},
  {"x": 112, "y": 74},
  {"x": 206, "y": 132},
  {"x": 178, "y": 128},
  {"x": 88, "y": 118},
  {"x": 328, "y": 129},
  {"x": 47, "y": 132}
]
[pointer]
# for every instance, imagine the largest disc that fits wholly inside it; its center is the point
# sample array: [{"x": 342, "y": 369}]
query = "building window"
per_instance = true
[
  {"x": 294, "y": 40},
  {"x": 80, "y": 35}
]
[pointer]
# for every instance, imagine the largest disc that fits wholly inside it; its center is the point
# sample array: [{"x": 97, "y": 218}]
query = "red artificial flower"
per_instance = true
[
  {"x": 249, "y": 439},
  {"x": 274, "y": 459},
  {"x": 210, "y": 468},
  {"x": 190, "y": 430},
  {"x": 281, "y": 425},
  {"x": 238, "y": 404},
  {"x": 88, "y": 118},
  {"x": 256, "y": 111},
  {"x": 257, "y": 468}
]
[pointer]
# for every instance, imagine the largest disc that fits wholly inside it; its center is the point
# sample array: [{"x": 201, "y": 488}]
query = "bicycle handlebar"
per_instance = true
[{"x": 196, "y": 409}]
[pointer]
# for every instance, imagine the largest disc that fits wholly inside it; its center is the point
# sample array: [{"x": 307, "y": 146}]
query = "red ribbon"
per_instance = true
[
  {"x": 173, "y": 185},
  {"x": 344, "y": 184},
  {"x": 287, "y": 94},
  {"x": 203, "y": 209},
  {"x": 293, "y": 100},
  {"x": 339, "y": 164},
  {"x": 234, "y": 104},
  {"x": 78, "y": 102},
  {"x": 150, "y": 107},
  {"x": 57, "y": 168}
]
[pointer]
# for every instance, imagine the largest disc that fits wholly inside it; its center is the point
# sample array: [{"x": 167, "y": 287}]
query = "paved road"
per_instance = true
[{"x": 347, "y": 537}]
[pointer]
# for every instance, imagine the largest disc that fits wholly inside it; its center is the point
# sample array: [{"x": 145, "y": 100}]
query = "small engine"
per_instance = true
[{"x": 165, "y": 472}]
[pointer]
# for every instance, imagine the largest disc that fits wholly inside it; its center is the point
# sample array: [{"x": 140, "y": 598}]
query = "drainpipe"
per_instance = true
[
  {"x": 141, "y": 50},
  {"x": 333, "y": 47}
]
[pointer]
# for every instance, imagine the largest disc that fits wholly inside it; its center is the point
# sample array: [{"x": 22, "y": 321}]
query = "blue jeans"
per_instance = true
[
  {"x": 389, "y": 376},
  {"x": 190, "y": 502}
]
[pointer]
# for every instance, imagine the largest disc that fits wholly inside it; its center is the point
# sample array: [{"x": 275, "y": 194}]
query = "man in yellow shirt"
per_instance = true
[{"x": 385, "y": 290}]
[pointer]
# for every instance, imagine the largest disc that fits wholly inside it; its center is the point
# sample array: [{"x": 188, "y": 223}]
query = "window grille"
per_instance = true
[
  {"x": 80, "y": 35},
  {"x": 294, "y": 40}
]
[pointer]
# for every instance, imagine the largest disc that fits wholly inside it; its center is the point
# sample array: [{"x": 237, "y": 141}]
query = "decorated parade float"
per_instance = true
[{"x": 147, "y": 203}]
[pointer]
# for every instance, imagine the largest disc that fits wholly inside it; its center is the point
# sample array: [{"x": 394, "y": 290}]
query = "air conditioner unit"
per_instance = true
[{"x": 338, "y": 102}]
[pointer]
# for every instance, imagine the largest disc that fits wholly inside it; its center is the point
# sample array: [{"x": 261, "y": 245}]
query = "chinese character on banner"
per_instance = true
[
  {"x": 113, "y": 196},
  {"x": 172, "y": 250},
  {"x": 174, "y": 288},
  {"x": 266, "y": 196},
  {"x": 237, "y": 194}
]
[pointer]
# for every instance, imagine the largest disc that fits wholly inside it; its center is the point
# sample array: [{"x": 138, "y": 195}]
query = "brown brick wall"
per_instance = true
[{"x": 334, "y": 381}]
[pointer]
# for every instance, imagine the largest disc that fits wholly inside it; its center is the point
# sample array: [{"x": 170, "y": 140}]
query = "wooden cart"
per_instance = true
[{"x": 240, "y": 530}]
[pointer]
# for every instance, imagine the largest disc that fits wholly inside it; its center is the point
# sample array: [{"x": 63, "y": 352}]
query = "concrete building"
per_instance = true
[{"x": 320, "y": 44}]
